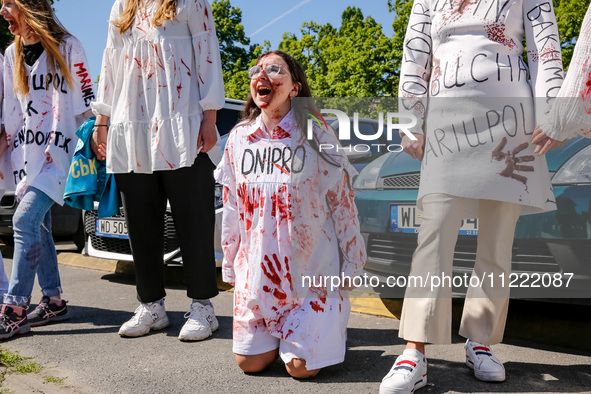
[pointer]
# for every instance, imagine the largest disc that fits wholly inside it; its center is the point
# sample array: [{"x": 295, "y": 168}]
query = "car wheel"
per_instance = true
[{"x": 79, "y": 237}]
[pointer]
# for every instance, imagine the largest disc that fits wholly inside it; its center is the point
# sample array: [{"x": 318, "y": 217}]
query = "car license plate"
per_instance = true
[
  {"x": 111, "y": 228},
  {"x": 407, "y": 219}
]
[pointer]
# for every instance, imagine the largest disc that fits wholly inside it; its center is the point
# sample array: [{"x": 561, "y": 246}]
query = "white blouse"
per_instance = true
[
  {"x": 571, "y": 112},
  {"x": 155, "y": 84},
  {"x": 464, "y": 78}
]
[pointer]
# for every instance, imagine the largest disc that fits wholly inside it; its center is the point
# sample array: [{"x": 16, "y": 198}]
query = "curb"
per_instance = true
[
  {"x": 361, "y": 301},
  {"x": 526, "y": 321}
]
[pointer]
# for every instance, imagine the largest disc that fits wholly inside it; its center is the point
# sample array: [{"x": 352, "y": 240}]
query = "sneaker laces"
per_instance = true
[
  {"x": 140, "y": 312},
  {"x": 197, "y": 312},
  {"x": 7, "y": 321}
]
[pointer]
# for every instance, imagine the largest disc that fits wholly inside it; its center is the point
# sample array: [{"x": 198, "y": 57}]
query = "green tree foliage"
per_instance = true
[
  {"x": 236, "y": 51},
  {"x": 355, "y": 60},
  {"x": 569, "y": 15}
]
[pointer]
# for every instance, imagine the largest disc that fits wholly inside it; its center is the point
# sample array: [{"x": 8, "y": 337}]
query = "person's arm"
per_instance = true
[
  {"x": 415, "y": 74},
  {"x": 341, "y": 202},
  {"x": 107, "y": 87},
  {"x": 543, "y": 54},
  {"x": 98, "y": 142},
  {"x": 224, "y": 175},
  {"x": 208, "y": 69},
  {"x": 571, "y": 111},
  {"x": 3, "y": 142},
  {"x": 230, "y": 235}
]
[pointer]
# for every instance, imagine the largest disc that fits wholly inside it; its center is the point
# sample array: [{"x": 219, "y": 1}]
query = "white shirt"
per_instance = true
[
  {"x": 41, "y": 128},
  {"x": 466, "y": 58},
  {"x": 155, "y": 84},
  {"x": 287, "y": 213}
]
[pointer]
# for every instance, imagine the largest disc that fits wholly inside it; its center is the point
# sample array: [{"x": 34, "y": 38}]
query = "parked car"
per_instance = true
[
  {"x": 360, "y": 152},
  {"x": 107, "y": 238},
  {"x": 551, "y": 244},
  {"x": 66, "y": 222}
]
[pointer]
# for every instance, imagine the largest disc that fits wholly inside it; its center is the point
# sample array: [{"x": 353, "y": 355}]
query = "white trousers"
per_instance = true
[{"x": 426, "y": 312}]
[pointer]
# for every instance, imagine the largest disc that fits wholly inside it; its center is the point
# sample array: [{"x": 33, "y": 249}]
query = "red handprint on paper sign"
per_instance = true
[
  {"x": 274, "y": 271},
  {"x": 512, "y": 160}
]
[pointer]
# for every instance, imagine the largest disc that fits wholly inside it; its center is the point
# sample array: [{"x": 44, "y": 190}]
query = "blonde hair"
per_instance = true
[
  {"x": 165, "y": 12},
  {"x": 39, "y": 16}
]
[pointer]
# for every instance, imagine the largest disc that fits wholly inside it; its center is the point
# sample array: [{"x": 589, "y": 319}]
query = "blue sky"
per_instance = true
[{"x": 262, "y": 20}]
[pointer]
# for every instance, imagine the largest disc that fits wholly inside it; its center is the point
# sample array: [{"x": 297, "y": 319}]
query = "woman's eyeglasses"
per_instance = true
[{"x": 272, "y": 70}]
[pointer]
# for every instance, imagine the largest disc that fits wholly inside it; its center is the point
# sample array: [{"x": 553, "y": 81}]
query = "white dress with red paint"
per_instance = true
[
  {"x": 41, "y": 128},
  {"x": 287, "y": 213},
  {"x": 6, "y": 183},
  {"x": 571, "y": 112},
  {"x": 155, "y": 84},
  {"x": 464, "y": 77}
]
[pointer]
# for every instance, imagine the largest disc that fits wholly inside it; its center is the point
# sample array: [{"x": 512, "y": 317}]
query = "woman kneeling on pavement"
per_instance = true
[
  {"x": 284, "y": 221},
  {"x": 161, "y": 84},
  {"x": 46, "y": 86}
]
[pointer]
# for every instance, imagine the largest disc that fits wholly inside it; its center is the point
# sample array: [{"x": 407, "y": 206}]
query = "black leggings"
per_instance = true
[{"x": 190, "y": 192}]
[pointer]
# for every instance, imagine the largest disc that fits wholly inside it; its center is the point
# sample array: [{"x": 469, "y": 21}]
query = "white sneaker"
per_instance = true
[
  {"x": 201, "y": 323},
  {"x": 481, "y": 359},
  {"x": 147, "y": 317},
  {"x": 409, "y": 373}
]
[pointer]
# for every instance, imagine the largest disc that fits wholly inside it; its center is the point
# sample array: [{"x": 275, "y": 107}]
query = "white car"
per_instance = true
[{"x": 107, "y": 238}]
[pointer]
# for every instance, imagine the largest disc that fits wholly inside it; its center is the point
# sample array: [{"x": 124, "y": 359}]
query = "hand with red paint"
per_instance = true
[
  {"x": 274, "y": 271},
  {"x": 545, "y": 143},
  {"x": 414, "y": 148},
  {"x": 208, "y": 136}
]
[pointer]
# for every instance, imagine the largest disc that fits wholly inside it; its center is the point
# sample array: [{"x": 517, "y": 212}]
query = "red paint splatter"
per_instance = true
[
  {"x": 496, "y": 33},
  {"x": 188, "y": 69},
  {"x": 316, "y": 306},
  {"x": 281, "y": 206},
  {"x": 280, "y": 295},
  {"x": 279, "y": 133},
  {"x": 586, "y": 94},
  {"x": 256, "y": 135}
]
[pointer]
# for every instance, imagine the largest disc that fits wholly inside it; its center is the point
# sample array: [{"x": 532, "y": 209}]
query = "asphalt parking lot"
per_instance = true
[{"x": 94, "y": 359}]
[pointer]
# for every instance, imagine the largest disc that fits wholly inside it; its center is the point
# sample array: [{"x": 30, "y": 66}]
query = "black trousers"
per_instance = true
[{"x": 190, "y": 191}]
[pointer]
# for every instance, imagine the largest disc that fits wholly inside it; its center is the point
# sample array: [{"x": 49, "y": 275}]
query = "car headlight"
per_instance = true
[
  {"x": 219, "y": 196},
  {"x": 577, "y": 170},
  {"x": 368, "y": 177}
]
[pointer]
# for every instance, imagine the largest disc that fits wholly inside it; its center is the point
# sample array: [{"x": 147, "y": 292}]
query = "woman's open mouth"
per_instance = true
[
  {"x": 263, "y": 91},
  {"x": 11, "y": 24}
]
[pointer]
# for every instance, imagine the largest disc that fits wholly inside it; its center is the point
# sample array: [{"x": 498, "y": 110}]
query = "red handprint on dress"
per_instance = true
[
  {"x": 279, "y": 276},
  {"x": 511, "y": 160},
  {"x": 320, "y": 305},
  {"x": 586, "y": 95}
]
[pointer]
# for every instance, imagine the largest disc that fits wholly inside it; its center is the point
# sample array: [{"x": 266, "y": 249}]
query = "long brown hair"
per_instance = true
[
  {"x": 39, "y": 16},
  {"x": 165, "y": 12}
]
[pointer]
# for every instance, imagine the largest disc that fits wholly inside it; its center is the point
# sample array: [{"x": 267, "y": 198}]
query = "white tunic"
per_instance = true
[
  {"x": 571, "y": 111},
  {"x": 41, "y": 128},
  {"x": 155, "y": 84},
  {"x": 465, "y": 56},
  {"x": 287, "y": 213}
]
